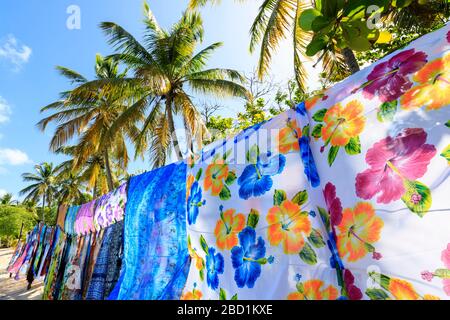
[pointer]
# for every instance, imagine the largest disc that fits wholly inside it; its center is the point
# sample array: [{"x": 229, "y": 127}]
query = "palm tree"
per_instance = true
[
  {"x": 92, "y": 173},
  {"x": 6, "y": 199},
  {"x": 276, "y": 20},
  {"x": 42, "y": 185},
  {"x": 89, "y": 111},
  {"x": 164, "y": 66},
  {"x": 419, "y": 15}
]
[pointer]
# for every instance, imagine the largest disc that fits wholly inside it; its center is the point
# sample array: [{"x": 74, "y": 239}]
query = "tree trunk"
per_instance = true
[
  {"x": 350, "y": 60},
  {"x": 43, "y": 208},
  {"x": 108, "y": 171},
  {"x": 176, "y": 145}
]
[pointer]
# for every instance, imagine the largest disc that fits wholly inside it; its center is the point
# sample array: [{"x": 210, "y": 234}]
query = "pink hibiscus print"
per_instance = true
[
  {"x": 448, "y": 37},
  {"x": 333, "y": 204},
  {"x": 445, "y": 257},
  {"x": 389, "y": 79},
  {"x": 441, "y": 273},
  {"x": 393, "y": 161}
]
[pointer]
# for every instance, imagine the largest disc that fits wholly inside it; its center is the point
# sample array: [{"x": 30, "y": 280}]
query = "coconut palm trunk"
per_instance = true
[
  {"x": 173, "y": 133},
  {"x": 108, "y": 170},
  {"x": 350, "y": 60}
]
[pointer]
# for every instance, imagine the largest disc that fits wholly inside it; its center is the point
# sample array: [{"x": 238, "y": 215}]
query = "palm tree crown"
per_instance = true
[{"x": 165, "y": 65}]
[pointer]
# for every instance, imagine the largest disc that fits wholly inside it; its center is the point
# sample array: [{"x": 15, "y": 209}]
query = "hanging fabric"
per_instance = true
[
  {"x": 108, "y": 263},
  {"x": 155, "y": 210},
  {"x": 110, "y": 207},
  {"x": 84, "y": 222}
]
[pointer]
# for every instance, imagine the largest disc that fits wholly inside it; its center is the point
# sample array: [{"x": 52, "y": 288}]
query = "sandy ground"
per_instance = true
[{"x": 11, "y": 289}]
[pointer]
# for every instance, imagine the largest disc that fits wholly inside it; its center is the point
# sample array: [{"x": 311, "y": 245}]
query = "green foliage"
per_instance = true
[
  {"x": 340, "y": 24},
  {"x": 11, "y": 219},
  {"x": 50, "y": 214},
  {"x": 400, "y": 38}
]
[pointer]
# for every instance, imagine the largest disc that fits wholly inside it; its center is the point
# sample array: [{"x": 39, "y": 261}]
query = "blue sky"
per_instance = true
[{"x": 34, "y": 39}]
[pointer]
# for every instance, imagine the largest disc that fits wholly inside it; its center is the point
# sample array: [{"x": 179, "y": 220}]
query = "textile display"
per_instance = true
[
  {"x": 73, "y": 275},
  {"x": 107, "y": 266},
  {"x": 71, "y": 216},
  {"x": 96, "y": 243},
  {"x": 110, "y": 208},
  {"x": 344, "y": 196},
  {"x": 59, "y": 242},
  {"x": 24, "y": 263},
  {"x": 61, "y": 218},
  {"x": 84, "y": 221},
  {"x": 381, "y": 141},
  {"x": 252, "y": 228},
  {"x": 155, "y": 210}
]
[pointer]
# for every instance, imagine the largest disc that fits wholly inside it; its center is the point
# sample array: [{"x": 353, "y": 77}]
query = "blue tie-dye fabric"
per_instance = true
[
  {"x": 156, "y": 260},
  {"x": 69, "y": 224}
]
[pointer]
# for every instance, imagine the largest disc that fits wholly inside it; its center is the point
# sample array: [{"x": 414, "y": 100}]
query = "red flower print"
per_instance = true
[
  {"x": 394, "y": 161},
  {"x": 333, "y": 204},
  {"x": 389, "y": 79}
]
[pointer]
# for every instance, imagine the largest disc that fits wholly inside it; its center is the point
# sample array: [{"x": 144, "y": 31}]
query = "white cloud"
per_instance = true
[
  {"x": 5, "y": 110},
  {"x": 13, "y": 157},
  {"x": 15, "y": 52},
  {"x": 3, "y": 192}
]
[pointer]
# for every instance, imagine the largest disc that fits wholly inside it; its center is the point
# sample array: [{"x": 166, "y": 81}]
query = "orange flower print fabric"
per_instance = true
[
  {"x": 343, "y": 122},
  {"x": 359, "y": 229},
  {"x": 288, "y": 226}
]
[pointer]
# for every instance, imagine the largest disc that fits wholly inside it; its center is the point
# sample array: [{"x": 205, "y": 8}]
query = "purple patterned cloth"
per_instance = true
[
  {"x": 110, "y": 208},
  {"x": 84, "y": 222}
]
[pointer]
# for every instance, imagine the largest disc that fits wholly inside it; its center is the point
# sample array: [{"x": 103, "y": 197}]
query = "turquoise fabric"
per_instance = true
[{"x": 156, "y": 260}]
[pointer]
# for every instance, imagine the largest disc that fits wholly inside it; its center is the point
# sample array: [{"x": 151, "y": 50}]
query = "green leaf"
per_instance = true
[
  {"x": 235, "y": 297},
  {"x": 201, "y": 274},
  {"x": 447, "y": 124},
  {"x": 377, "y": 294},
  {"x": 253, "y": 154},
  {"x": 253, "y": 218},
  {"x": 316, "y": 239},
  {"x": 222, "y": 294},
  {"x": 204, "y": 245},
  {"x": 442, "y": 273},
  {"x": 401, "y": 3},
  {"x": 305, "y": 131},
  {"x": 332, "y": 155},
  {"x": 199, "y": 174},
  {"x": 225, "y": 193},
  {"x": 446, "y": 154},
  {"x": 381, "y": 279},
  {"x": 317, "y": 131},
  {"x": 387, "y": 111},
  {"x": 320, "y": 23},
  {"x": 417, "y": 197},
  {"x": 318, "y": 42},
  {"x": 319, "y": 115},
  {"x": 308, "y": 255},
  {"x": 307, "y": 17},
  {"x": 300, "y": 287},
  {"x": 325, "y": 217},
  {"x": 300, "y": 198},
  {"x": 230, "y": 178},
  {"x": 278, "y": 197},
  {"x": 356, "y": 35},
  {"x": 353, "y": 146},
  {"x": 359, "y": 43}
]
